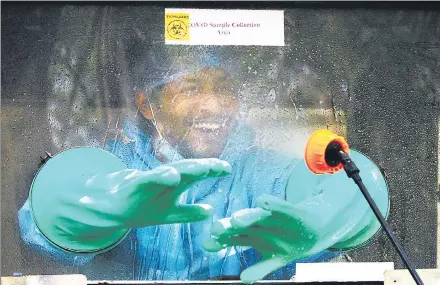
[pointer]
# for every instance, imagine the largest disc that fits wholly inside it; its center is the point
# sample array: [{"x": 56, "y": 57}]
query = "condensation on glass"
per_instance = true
[{"x": 77, "y": 76}]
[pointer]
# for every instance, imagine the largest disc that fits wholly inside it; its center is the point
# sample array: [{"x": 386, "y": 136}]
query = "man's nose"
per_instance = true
[{"x": 210, "y": 103}]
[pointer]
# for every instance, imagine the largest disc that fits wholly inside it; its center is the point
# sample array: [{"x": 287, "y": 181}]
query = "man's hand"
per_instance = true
[
  {"x": 133, "y": 199},
  {"x": 102, "y": 208},
  {"x": 278, "y": 230},
  {"x": 322, "y": 212}
]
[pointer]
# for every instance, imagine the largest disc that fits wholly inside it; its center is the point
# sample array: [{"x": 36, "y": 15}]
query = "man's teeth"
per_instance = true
[{"x": 208, "y": 126}]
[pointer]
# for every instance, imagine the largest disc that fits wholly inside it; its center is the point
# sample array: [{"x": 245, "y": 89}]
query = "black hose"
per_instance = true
[{"x": 353, "y": 172}]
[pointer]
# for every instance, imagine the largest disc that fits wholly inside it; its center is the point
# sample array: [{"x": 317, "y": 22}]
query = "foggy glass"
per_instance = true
[{"x": 70, "y": 75}]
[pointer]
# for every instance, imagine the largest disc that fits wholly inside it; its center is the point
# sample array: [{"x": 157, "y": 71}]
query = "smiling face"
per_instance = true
[{"x": 195, "y": 113}]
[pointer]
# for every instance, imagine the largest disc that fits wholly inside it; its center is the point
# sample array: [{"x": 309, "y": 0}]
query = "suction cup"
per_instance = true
[
  {"x": 338, "y": 190},
  {"x": 58, "y": 180}
]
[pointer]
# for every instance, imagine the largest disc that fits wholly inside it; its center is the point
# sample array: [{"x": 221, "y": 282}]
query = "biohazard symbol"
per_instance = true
[{"x": 177, "y": 29}]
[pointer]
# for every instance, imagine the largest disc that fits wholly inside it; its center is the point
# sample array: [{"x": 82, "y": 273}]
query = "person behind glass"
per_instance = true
[{"x": 191, "y": 110}]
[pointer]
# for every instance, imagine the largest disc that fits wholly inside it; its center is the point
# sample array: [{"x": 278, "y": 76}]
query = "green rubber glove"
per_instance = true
[
  {"x": 92, "y": 213},
  {"x": 323, "y": 212},
  {"x": 136, "y": 199}
]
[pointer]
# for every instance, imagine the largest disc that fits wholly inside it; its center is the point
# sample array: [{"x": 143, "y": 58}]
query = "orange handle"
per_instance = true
[{"x": 315, "y": 151}]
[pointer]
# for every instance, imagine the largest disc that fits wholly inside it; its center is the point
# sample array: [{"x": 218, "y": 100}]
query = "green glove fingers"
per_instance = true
[
  {"x": 274, "y": 204},
  {"x": 290, "y": 214},
  {"x": 243, "y": 219},
  {"x": 194, "y": 170},
  {"x": 199, "y": 168},
  {"x": 190, "y": 213},
  {"x": 86, "y": 200},
  {"x": 249, "y": 227},
  {"x": 301, "y": 223},
  {"x": 276, "y": 231},
  {"x": 155, "y": 198},
  {"x": 259, "y": 229},
  {"x": 321, "y": 212},
  {"x": 229, "y": 236},
  {"x": 212, "y": 245},
  {"x": 135, "y": 186},
  {"x": 164, "y": 175}
]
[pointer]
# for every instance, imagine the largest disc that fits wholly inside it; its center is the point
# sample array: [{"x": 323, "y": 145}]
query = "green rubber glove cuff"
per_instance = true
[
  {"x": 63, "y": 174},
  {"x": 85, "y": 200},
  {"x": 362, "y": 238},
  {"x": 302, "y": 178}
]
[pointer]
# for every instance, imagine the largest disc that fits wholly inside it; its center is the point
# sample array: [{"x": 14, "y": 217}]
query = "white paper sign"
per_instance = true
[{"x": 224, "y": 27}]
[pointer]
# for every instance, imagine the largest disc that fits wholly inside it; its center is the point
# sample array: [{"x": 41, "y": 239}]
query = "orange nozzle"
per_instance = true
[{"x": 316, "y": 148}]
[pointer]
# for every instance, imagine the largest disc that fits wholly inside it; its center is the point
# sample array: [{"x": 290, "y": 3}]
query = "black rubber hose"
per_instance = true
[{"x": 353, "y": 172}]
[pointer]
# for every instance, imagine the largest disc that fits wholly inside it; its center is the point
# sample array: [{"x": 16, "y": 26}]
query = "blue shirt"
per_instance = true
[{"x": 175, "y": 252}]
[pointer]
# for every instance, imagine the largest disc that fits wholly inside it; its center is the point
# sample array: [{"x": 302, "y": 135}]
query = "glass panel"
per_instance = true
[{"x": 101, "y": 76}]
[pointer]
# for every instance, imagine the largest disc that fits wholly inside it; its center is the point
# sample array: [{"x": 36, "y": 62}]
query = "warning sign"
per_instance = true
[
  {"x": 224, "y": 27},
  {"x": 177, "y": 26}
]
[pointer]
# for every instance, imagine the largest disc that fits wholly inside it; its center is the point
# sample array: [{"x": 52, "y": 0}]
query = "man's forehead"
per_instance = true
[
  {"x": 207, "y": 73},
  {"x": 206, "y": 77}
]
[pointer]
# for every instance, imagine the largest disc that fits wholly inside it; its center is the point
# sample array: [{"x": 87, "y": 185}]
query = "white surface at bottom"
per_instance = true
[{"x": 342, "y": 272}]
